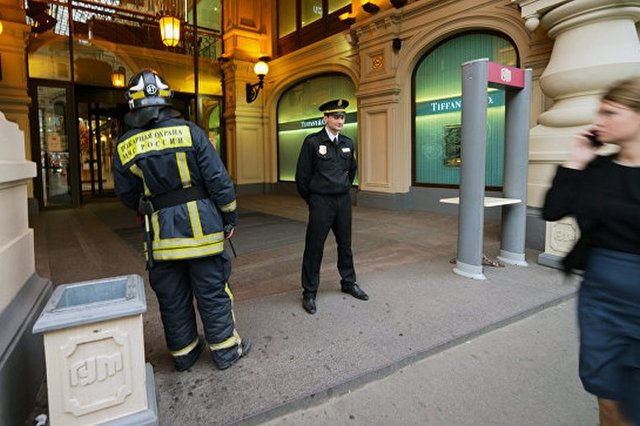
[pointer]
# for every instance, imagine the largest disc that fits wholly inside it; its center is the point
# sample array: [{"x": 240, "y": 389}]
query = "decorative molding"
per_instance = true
[{"x": 377, "y": 62}]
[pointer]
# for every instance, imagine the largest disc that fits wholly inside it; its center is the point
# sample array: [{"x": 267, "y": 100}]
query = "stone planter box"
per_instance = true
[{"x": 94, "y": 351}]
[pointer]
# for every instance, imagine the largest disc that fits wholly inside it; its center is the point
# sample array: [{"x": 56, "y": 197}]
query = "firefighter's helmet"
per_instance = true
[{"x": 147, "y": 88}]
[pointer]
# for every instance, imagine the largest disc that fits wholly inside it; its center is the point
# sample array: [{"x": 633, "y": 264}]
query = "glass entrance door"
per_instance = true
[
  {"x": 51, "y": 145},
  {"x": 211, "y": 122},
  {"x": 99, "y": 129}
]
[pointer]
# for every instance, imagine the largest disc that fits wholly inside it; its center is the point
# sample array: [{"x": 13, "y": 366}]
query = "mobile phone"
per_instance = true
[{"x": 594, "y": 141}]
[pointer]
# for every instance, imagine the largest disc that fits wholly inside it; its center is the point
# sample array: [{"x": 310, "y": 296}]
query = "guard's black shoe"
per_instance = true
[
  {"x": 185, "y": 362},
  {"x": 243, "y": 350},
  {"x": 356, "y": 292},
  {"x": 309, "y": 304}
]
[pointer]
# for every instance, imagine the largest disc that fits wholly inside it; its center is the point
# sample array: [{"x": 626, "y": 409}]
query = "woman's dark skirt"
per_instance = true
[{"x": 609, "y": 320}]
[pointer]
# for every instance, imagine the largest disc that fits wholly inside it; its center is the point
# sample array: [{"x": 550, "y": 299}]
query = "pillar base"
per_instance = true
[
  {"x": 469, "y": 271},
  {"x": 551, "y": 260},
  {"x": 22, "y": 365},
  {"x": 511, "y": 258}
]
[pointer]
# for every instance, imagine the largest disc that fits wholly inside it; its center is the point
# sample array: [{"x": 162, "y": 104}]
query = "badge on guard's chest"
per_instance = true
[{"x": 322, "y": 150}]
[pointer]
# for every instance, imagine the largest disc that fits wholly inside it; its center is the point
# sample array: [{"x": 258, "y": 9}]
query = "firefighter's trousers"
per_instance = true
[{"x": 176, "y": 282}]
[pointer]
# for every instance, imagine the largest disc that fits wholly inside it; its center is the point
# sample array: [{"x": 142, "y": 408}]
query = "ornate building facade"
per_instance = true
[{"x": 397, "y": 62}]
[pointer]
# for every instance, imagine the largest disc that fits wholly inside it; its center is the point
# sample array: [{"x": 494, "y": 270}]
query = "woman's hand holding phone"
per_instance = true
[{"x": 583, "y": 150}]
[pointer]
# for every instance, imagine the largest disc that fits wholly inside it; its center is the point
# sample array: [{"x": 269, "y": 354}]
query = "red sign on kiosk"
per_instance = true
[{"x": 505, "y": 76}]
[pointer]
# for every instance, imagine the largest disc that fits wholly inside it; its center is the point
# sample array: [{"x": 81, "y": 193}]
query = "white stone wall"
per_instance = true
[
  {"x": 17, "y": 261},
  {"x": 22, "y": 292}
]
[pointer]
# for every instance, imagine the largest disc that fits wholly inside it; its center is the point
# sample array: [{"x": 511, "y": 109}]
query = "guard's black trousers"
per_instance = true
[
  {"x": 327, "y": 212},
  {"x": 175, "y": 282}
]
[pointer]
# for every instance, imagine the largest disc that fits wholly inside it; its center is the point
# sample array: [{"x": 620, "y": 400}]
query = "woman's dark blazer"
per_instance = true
[{"x": 578, "y": 193}]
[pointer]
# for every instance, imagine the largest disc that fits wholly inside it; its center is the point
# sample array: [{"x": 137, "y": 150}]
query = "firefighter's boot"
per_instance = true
[
  {"x": 187, "y": 357},
  {"x": 225, "y": 359}
]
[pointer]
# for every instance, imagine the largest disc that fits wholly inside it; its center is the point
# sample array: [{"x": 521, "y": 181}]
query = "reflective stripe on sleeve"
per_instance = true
[
  {"x": 228, "y": 208},
  {"x": 138, "y": 172}
]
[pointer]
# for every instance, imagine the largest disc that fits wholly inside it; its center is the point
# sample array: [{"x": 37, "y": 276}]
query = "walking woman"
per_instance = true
[{"x": 603, "y": 194}]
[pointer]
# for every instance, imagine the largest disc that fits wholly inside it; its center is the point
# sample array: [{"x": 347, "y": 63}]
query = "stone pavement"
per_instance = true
[
  {"x": 418, "y": 307},
  {"x": 522, "y": 374}
]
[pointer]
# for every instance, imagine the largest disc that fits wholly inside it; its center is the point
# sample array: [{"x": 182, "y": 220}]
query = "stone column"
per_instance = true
[
  {"x": 596, "y": 44},
  {"x": 14, "y": 101},
  {"x": 383, "y": 161},
  {"x": 246, "y": 38}
]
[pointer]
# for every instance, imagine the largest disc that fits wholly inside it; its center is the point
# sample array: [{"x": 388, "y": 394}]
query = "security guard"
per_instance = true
[
  {"x": 324, "y": 175},
  {"x": 167, "y": 169}
]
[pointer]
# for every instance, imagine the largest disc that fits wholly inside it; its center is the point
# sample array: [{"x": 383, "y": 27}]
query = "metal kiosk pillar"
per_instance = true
[{"x": 477, "y": 76}]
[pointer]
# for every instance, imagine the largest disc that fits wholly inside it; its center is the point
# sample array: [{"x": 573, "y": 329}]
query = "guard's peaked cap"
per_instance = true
[{"x": 335, "y": 106}]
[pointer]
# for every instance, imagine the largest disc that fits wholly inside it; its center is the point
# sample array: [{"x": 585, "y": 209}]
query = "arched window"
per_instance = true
[
  {"x": 437, "y": 103},
  {"x": 298, "y": 116}
]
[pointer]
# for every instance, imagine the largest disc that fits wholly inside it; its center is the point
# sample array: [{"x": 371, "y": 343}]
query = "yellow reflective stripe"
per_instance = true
[
  {"x": 167, "y": 243},
  {"x": 137, "y": 95},
  {"x": 194, "y": 217},
  {"x": 155, "y": 225},
  {"x": 183, "y": 169},
  {"x": 186, "y": 349},
  {"x": 188, "y": 253},
  {"x": 190, "y": 248},
  {"x": 229, "y": 343},
  {"x": 231, "y": 207},
  {"x": 228, "y": 291},
  {"x": 138, "y": 172},
  {"x": 154, "y": 140}
]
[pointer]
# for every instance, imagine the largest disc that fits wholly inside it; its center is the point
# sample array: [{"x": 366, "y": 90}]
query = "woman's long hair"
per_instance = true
[{"x": 625, "y": 92}]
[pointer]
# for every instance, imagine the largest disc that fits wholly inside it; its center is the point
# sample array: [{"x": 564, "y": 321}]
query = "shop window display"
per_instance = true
[
  {"x": 298, "y": 116},
  {"x": 438, "y": 106}
]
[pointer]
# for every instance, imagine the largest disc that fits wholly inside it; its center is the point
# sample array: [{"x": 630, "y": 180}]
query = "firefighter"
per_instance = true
[
  {"x": 166, "y": 168},
  {"x": 324, "y": 175}
]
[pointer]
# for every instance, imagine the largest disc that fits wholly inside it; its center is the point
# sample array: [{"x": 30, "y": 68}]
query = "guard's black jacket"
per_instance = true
[{"x": 325, "y": 167}]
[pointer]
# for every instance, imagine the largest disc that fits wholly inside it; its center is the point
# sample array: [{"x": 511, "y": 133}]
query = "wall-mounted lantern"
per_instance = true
[
  {"x": 169, "y": 29},
  {"x": 261, "y": 68}
]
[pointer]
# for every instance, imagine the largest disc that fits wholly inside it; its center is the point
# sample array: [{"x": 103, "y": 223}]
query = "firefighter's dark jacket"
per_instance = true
[
  {"x": 166, "y": 155},
  {"x": 325, "y": 167}
]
